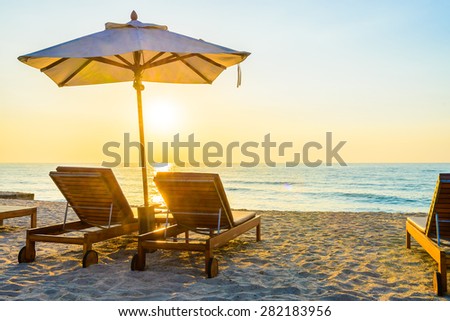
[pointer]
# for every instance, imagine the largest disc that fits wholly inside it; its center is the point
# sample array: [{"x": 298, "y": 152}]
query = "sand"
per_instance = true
[{"x": 303, "y": 256}]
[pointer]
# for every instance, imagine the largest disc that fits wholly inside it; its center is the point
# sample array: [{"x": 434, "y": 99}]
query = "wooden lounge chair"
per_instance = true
[
  {"x": 18, "y": 211},
  {"x": 430, "y": 232},
  {"x": 198, "y": 203},
  {"x": 103, "y": 211}
]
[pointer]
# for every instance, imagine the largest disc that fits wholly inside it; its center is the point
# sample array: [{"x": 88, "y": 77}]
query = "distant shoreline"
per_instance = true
[{"x": 365, "y": 187}]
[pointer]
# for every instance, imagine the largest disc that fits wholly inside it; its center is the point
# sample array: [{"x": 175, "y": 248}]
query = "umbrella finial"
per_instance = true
[{"x": 134, "y": 15}]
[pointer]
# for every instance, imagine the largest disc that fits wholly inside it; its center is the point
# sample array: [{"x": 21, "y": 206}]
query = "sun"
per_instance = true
[{"x": 161, "y": 115}]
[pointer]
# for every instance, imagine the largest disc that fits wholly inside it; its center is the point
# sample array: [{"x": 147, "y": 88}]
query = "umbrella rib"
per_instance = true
[
  {"x": 54, "y": 64},
  {"x": 193, "y": 68},
  {"x": 211, "y": 61},
  {"x": 123, "y": 60},
  {"x": 65, "y": 81},
  {"x": 152, "y": 63},
  {"x": 107, "y": 61},
  {"x": 175, "y": 57}
]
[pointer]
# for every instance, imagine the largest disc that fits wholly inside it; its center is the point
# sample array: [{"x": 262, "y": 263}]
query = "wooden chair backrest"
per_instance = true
[
  {"x": 195, "y": 199},
  {"x": 90, "y": 192},
  {"x": 440, "y": 204}
]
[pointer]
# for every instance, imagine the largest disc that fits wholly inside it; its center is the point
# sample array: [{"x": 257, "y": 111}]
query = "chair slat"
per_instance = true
[{"x": 88, "y": 188}]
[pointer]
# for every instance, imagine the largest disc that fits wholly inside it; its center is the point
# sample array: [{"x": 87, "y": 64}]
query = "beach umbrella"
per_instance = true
[{"x": 136, "y": 52}]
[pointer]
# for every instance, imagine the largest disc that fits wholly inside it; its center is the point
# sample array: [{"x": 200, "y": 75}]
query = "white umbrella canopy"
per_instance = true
[
  {"x": 137, "y": 52},
  {"x": 122, "y": 50}
]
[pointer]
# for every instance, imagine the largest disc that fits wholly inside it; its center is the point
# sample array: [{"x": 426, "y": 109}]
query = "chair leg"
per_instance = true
[
  {"x": 87, "y": 245},
  {"x": 437, "y": 283},
  {"x": 208, "y": 256},
  {"x": 258, "y": 232},
  {"x": 408, "y": 240},
  {"x": 138, "y": 262},
  {"x": 442, "y": 266},
  {"x": 211, "y": 263},
  {"x": 33, "y": 219},
  {"x": 27, "y": 254},
  {"x": 30, "y": 250}
]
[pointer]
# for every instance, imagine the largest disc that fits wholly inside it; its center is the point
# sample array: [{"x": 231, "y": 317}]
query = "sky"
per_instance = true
[{"x": 374, "y": 74}]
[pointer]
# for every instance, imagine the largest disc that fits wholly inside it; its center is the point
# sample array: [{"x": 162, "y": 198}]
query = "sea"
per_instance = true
[{"x": 389, "y": 188}]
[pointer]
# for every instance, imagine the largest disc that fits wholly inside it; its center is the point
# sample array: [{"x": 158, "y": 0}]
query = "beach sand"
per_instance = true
[{"x": 303, "y": 256}]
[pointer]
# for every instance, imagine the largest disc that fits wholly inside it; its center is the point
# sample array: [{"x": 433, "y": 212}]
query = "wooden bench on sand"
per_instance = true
[{"x": 18, "y": 211}]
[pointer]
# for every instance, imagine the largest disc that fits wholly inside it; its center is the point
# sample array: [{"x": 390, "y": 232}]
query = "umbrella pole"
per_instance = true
[{"x": 139, "y": 87}]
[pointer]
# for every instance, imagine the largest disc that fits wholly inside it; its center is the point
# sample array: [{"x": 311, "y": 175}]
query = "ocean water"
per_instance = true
[{"x": 356, "y": 187}]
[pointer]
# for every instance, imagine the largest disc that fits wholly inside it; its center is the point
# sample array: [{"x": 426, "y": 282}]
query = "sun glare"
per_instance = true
[{"x": 161, "y": 116}]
